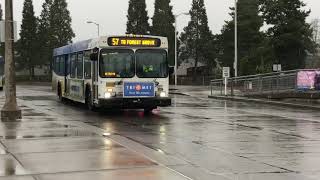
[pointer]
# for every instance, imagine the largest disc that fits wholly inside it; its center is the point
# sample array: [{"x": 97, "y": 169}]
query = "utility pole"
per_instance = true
[
  {"x": 10, "y": 110},
  {"x": 235, "y": 39},
  {"x": 176, "y": 47}
]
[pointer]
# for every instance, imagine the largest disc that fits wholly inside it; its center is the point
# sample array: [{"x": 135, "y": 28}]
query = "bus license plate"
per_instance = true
[{"x": 138, "y": 90}]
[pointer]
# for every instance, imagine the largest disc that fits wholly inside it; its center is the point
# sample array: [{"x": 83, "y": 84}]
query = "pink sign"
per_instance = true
[{"x": 307, "y": 79}]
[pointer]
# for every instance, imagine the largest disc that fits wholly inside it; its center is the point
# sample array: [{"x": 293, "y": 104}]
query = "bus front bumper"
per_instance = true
[{"x": 134, "y": 103}]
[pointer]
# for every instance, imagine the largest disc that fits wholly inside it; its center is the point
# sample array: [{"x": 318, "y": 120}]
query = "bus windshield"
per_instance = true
[
  {"x": 152, "y": 64},
  {"x": 117, "y": 64}
]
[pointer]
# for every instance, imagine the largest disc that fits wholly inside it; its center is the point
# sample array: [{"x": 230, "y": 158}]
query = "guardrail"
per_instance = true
[{"x": 257, "y": 85}]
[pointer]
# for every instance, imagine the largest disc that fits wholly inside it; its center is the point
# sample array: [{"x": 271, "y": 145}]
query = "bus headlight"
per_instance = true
[
  {"x": 163, "y": 94},
  {"x": 107, "y": 95}
]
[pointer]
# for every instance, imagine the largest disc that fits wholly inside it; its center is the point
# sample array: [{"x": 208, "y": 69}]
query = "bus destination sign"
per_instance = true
[{"x": 134, "y": 42}]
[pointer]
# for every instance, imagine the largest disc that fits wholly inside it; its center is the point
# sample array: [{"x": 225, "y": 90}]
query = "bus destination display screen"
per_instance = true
[{"x": 134, "y": 42}]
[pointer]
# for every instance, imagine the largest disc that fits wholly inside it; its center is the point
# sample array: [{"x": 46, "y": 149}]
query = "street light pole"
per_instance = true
[
  {"x": 176, "y": 48},
  {"x": 10, "y": 110},
  {"x": 235, "y": 39},
  {"x": 98, "y": 26},
  {"x": 175, "y": 53}
]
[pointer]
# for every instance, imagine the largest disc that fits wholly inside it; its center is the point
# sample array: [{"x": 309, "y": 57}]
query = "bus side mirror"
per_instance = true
[
  {"x": 171, "y": 70},
  {"x": 94, "y": 56}
]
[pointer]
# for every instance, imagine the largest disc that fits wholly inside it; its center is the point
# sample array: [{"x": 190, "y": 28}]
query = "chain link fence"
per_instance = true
[{"x": 256, "y": 85}]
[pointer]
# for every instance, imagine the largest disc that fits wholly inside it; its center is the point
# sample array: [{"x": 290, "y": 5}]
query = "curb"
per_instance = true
[
  {"x": 266, "y": 101},
  {"x": 177, "y": 93}
]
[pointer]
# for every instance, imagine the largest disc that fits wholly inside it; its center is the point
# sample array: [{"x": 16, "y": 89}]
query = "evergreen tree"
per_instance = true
[
  {"x": 28, "y": 44},
  {"x": 138, "y": 18},
  {"x": 226, "y": 44},
  {"x": 1, "y": 44},
  {"x": 163, "y": 25},
  {"x": 197, "y": 37},
  {"x": 249, "y": 37},
  {"x": 290, "y": 35},
  {"x": 1, "y": 13},
  {"x": 60, "y": 24},
  {"x": 45, "y": 33}
]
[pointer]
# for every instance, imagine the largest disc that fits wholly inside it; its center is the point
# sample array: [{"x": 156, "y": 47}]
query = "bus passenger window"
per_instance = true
[
  {"x": 61, "y": 66},
  {"x": 73, "y": 66},
  {"x": 58, "y": 65},
  {"x": 87, "y": 65},
  {"x": 67, "y": 64},
  {"x": 80, "y": 66},
  {"x": 54, "y": 65}
]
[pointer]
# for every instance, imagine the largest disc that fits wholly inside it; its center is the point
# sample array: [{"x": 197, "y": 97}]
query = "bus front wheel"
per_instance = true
[{"x": 149, "y": 110}]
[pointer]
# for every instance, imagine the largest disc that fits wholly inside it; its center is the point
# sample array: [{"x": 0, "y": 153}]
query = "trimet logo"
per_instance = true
[{"x": 139, "y": 87}]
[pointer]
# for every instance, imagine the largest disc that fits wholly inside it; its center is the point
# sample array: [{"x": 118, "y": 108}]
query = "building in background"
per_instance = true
[{"x": 187, "y": 66}]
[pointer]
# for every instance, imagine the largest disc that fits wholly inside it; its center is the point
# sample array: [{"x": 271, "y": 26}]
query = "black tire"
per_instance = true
[
  {"x": 88, "y": 100},
  {"x": 149, "y": 110}
]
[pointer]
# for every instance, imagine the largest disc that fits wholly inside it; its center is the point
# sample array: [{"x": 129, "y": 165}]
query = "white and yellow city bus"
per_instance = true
[
  {"x": 1, "y": 73},
  {"x": 126, "y": 72}
]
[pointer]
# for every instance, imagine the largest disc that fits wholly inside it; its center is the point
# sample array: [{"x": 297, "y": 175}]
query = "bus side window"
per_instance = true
[
  {"x": 73, "y": 66},
  {"x": 87, "y": 65},
  {"x": 61, "y": 66},
  {"x": 54, "y": 68},
  {"x": 80, "y": 66},
  {"x": 58, "y": 65},
  {"x": 67, "y": 64}
]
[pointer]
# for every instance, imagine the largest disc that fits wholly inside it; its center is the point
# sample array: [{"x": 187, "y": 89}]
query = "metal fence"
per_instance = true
[{"x": 256, "y": 85}]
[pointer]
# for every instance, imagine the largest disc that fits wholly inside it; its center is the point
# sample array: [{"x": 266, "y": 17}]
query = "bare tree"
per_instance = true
[{"x": 315, "y": 25}]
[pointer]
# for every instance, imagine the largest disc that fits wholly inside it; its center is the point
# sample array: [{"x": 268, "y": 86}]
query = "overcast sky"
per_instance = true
[{"x": 111, "y": 14}]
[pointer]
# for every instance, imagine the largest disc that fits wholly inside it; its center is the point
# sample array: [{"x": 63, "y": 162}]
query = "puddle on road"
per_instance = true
[
  {"x": 33, "y": 114},
  {"x": 30, "y": 118},
  {"x": 46, "y": 134},
  {"x": 38, "y": 98},
  {"x": 18, "y": 126}
]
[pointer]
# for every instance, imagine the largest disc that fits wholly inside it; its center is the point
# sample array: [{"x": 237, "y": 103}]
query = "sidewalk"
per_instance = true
[
  {"x": 47, "y": 146},
  {"x": 294, "y": 104},
  {"x": 204, "y": 92}
]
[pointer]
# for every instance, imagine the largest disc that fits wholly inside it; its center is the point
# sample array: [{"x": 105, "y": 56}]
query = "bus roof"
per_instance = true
[
  {"x": 98, "y": 42},
  {"x": 71, "y": 48}
]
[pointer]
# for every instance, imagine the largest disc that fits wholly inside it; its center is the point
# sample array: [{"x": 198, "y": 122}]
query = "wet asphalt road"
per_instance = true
[{"x": 205, "y": 139}]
